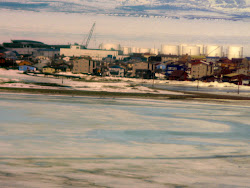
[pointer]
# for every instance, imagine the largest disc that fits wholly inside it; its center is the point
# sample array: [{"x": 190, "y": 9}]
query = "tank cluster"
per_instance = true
[{"x": 183, "y": 49}]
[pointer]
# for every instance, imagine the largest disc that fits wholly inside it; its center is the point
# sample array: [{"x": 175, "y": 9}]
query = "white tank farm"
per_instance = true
[
  {"x": 235, "y": 52},
  {"x": 110, "y": 46},
  {"x": 144, "y": 50},
  {"x": 180, "y": 48},
  {"x": 170, "y": 49},
  {"x": 191, "y": 50},
  {"x": 154, "y": 51},
  {"x": 202, "y": 48},
  {"x": 126, "y": 50},
  {"x": 213, "y": 51},
  {"x": 133, "y": 50}
]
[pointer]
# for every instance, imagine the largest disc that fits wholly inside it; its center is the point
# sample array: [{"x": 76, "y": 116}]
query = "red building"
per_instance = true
[{"x": 179, "y": 75}]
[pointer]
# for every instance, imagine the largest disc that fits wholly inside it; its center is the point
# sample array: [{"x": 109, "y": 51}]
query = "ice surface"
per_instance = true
[{"x": 64, "y": 141}]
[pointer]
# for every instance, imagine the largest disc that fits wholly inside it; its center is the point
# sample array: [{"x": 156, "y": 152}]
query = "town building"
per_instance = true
[
  {"x": 27, "y": 68},
  {"x": 86, "y": 66},
  {"x": 50, "y": 53},
  {"x": 29, "y": 47},
  {"x": 2, "y": 61},
  {"x": 48, "y": 70},
  {"x": 143, "y": 70},
  {"x": 95, "y": 54},
  {"x": 171, "y": 68},
  {"x": 179, "y": 75},
  {"x": 201, "y": 69},
  {"x": 172, "y": 58},
  {"x": 116, "y": 71},
  {"x": 24, "y": 63}
]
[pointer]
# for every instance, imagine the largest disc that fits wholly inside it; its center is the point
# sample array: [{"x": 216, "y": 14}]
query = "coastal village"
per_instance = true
[{"x": 172, "y": 62}]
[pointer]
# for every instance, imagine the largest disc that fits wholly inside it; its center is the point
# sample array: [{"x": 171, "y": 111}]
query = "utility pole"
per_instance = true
[
  {"x": 153, "y": 78},
  {"x": 238, "y": 87},
  {"x": 198, "y": 79}
]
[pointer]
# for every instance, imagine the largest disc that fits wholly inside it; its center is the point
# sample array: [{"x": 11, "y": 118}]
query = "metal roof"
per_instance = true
[{"x": 26, "y": 41}]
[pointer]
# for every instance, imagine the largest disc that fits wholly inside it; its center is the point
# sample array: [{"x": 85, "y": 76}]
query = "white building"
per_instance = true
[{"x": 95, "y": 54}]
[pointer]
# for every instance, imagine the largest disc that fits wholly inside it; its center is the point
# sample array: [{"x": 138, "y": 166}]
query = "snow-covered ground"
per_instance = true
[{"x": 15, "y": 78}]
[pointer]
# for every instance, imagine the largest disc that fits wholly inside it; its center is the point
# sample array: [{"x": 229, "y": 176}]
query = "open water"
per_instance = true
[{"x": 67, "y": 141}]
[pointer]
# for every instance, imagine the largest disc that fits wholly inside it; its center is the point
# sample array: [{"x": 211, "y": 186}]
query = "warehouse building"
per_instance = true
[{"x": 95, "y": 54}]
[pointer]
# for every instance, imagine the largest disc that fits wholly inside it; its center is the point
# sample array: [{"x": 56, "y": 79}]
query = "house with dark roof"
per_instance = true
[
  {"x": 170, "y": 68},
  {"x": 143, "y": 70},
  {"x": 26, "y": 68},
  {"x": 179, "y": 75},
  {"x": 116, "y": 71},
  {"x": 2, "y": 61},
  {"x": 201, "y": 69}
]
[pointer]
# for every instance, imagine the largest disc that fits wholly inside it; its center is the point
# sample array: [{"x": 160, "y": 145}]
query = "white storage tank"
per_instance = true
[
  {"x": 191, "y": 50},
  {"x": 235, "y": 52},
  {"x": 213, "y": 51},
  {"x": 170, "y": 49},
  {"x": 180, "y": 48},
  {"x": 144, "y": 50},
  {"x": 154, "y": 51},
  {"x": 110, "y": 46},
  {"x": 202, "y": 49},
  {"x": 126, "y": 50},
  {"x": 134, "y": 50}
]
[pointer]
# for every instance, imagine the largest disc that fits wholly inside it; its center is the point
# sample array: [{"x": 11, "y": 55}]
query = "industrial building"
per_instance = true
[
  {"x": 80, "y": 51},
  {"x": 29, "y": 47}
]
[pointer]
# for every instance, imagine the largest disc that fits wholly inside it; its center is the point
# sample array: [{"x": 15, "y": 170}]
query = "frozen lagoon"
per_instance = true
[{"x": 65, "y": 141}]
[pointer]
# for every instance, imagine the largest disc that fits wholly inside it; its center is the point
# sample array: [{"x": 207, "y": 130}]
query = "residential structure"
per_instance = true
[
  {"x": 84, "y": 66},
  {"x": 171, "y": 68},
  {"x": 2, "y": 60},
  {"x": 143, "y": 70},
  {"x": 116, "y": 71},
  {"x": 48, "y": 70},
  {"x": 179, "y": 75},
  {"x": 24, "y": 63},
  {"x": 200, "y": 69},
  {"x": 26, "y": 68},
  {"x": 172, "y": 58}
]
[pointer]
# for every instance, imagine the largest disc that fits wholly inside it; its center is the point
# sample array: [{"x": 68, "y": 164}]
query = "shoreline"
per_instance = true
[{"x": 186, "y": 96}]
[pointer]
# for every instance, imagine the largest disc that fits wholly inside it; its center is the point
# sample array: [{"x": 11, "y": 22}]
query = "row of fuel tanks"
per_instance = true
[{"x": 193, "y": 50}]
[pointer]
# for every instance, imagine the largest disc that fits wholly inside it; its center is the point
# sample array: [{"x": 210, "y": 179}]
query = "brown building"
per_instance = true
[
  {"x": 172, "y": 58},
  {"x": 84, "y": 66},
  {"x": 226, "y": 63},
  {"x": 179, "y": 75},
  {"x": 200, "y": 69},
  {"x": 246, "y": 64},
  {"x": 24, "y": 63},
  {"x": 2, "y": 60},
  {"x": 143, "y": 70}
]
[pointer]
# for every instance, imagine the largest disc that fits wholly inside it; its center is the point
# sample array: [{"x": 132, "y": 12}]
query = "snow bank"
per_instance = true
[
  {"x": 91, "y": 83},
  {"x": 109, "y": 84}
]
